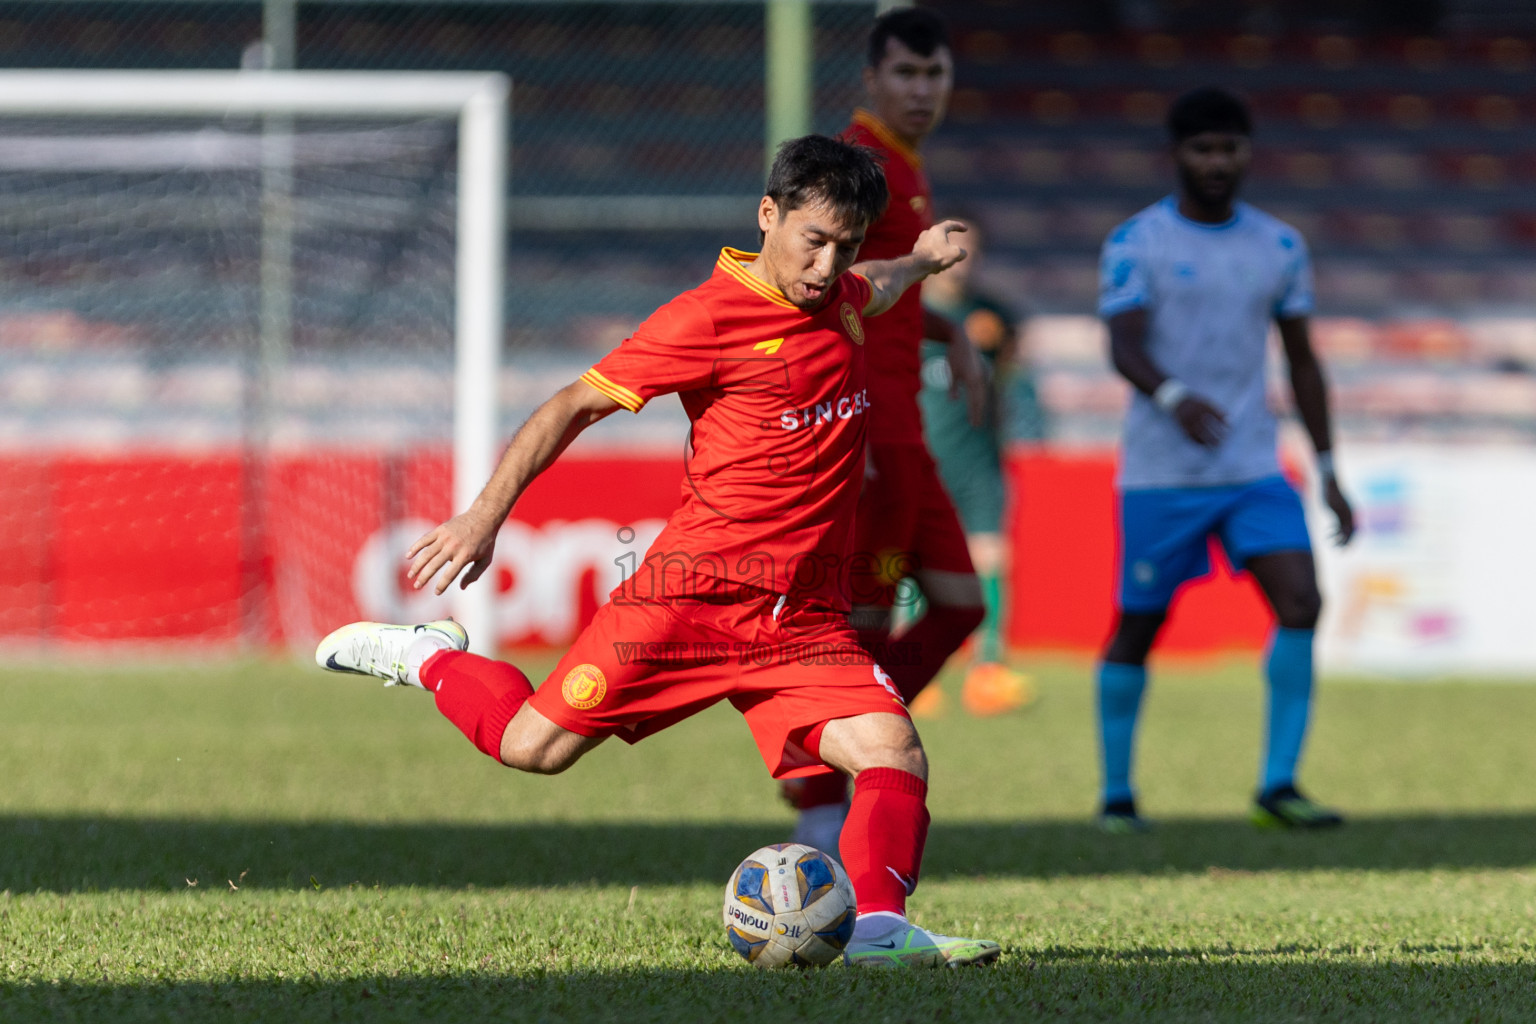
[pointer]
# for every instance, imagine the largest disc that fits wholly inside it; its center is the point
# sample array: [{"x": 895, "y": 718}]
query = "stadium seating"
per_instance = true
[{"x": 1403, "y": 156}]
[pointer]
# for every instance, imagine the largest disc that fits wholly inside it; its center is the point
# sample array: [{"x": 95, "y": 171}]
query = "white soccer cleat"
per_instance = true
[
  {"x": 383, "y": 650},
  {"x": 908, "y": 946}
]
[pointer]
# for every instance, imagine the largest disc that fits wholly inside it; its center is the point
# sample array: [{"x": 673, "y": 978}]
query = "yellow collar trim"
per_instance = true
[
  {"x": 882, "y": 131},
  {"x": 731, "y": 261}
]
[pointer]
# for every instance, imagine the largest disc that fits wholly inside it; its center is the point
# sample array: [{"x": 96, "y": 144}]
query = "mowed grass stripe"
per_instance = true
[{"x": 390, "y": 872}]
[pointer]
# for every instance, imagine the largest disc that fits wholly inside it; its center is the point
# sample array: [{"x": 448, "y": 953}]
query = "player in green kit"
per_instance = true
[{"x": 969, "y": 456}]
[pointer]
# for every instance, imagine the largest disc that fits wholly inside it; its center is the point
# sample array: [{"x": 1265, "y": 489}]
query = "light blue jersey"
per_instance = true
[{"x": 1211, "y": 292}]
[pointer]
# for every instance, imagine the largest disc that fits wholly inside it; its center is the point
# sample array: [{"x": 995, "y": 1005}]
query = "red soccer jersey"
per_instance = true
[
  {"x": 896, "y": 336},
  {"x": 777, "y": 402}
]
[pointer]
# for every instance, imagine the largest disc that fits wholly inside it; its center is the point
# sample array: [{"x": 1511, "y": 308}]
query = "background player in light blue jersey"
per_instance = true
[{"x": 1189, "y": 288}]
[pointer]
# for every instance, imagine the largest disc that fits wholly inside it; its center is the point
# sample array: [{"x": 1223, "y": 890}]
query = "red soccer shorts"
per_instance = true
[
  {"x": 906, "y": 521},
  {"x": 646, "y": 663}
]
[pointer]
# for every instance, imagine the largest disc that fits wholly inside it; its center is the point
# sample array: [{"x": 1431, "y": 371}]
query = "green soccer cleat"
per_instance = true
[
  {"x": 379, "y": 649},
  {"x": 1119, "y": 818},
  {"x": 1285, "y": 808},
  {"x": 907, "y": 945}
]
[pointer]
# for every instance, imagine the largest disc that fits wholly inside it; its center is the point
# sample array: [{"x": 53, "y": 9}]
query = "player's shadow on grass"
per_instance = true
[
  {"x": 1026, "y": 985},
  {"x": 82, "y": 854}
]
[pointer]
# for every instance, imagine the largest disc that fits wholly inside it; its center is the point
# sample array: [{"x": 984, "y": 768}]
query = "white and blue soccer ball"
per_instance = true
[{"x": 789, "y": 904}]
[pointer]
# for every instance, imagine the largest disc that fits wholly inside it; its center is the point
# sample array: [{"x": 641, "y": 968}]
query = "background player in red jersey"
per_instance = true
[
  {"x": 906, "y": 520},
  {"x": 745, "y": 594}
]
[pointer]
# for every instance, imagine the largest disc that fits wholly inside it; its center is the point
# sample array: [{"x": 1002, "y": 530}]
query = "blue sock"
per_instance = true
[
  {"x": 1120, "y": 688},
  {"x": 1289, "y": 670}
]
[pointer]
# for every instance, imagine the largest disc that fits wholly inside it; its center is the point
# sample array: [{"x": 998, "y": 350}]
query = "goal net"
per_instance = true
[{"x": 248, "y": 343}]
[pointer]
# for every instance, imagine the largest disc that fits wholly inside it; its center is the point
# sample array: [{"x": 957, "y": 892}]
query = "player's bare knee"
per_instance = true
[
  {"x": 1134, "y": 636},
  {"x": 535, "y": 762},
  {"x": 910, "y": 759},
  {"x": 899, "y": 748},
  {"x": 530, "y": 755},
  {"x": 1300, "y": 610},
  {"x": 874, "y": 741}
]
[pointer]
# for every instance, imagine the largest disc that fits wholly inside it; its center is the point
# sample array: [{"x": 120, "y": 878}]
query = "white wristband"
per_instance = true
[
  {"x": 1325, "y": 465},
  {"x": 1169, "y": 394}
]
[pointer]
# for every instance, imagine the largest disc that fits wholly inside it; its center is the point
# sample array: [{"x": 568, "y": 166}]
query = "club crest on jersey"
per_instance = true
[
  {"x": 584, "y": 687},
  {"x": 851, "y": 323},
  {"x": 919, "y": 202}
]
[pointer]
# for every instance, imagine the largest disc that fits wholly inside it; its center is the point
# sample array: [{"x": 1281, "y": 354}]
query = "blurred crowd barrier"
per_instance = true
[
  {"x": 66, "y": 382},
  {"x": 1391, "y": 380}
]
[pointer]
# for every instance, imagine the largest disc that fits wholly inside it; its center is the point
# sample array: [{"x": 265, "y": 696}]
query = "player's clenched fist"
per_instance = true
[
  {"x": 936, "y": 249},
  {"x": 465, "y": 540}
]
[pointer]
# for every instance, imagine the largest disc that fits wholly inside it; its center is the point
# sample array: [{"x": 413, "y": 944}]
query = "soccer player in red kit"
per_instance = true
[
  {"x": 906, "y": 520},
  {"x": 745, "y": 594}
]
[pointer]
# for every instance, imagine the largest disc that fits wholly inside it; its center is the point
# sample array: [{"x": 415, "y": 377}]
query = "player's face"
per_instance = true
[
  {"x": 1212, "y": 165},
  {"x": 806, "y": 249},
  {"x": 909, "y": 92}
]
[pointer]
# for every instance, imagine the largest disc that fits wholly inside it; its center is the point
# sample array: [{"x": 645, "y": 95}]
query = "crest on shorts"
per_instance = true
[
  {"x": 851, "y": 323},
  {"x": 584, "y": 687}
]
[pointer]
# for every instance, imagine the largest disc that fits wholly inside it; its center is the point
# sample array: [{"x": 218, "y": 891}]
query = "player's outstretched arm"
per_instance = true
[
  {"x": 934, "y": 251},
  {"x": 1310, "y": 387},
  {"x": 1201, "y": 421},
  {"x": 469, "y": 539}
]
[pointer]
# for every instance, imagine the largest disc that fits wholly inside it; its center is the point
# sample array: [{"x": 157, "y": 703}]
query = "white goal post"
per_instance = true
[{"x": 480, "y": 102}]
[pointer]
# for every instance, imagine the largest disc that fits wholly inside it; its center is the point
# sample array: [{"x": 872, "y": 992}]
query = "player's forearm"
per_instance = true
[
  {"x": 1310, "y": 388},
  {"x": 889, "y": 280},
  {"x": 536, "y": 446},
  {"x": 1308, "y": 383},
  {"x": 1128, "y": 352}
]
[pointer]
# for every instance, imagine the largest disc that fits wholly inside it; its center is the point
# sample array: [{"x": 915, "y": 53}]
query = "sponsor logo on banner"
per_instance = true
[
  {"x": 584, "y": 687},
  {"x": 544, "y": 576}
]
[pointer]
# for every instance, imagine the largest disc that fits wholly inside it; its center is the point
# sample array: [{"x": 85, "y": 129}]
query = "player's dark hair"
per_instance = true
[
  {"x": 1208, "y": 110},
  {"x": 817, "y": 169},
  {"x": 918, "y": 30}
]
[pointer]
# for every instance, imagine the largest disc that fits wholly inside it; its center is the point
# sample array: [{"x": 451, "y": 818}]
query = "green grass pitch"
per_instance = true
[{"x": 265, "y": 842}]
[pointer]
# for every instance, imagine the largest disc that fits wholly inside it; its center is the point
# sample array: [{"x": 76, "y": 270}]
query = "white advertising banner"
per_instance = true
[{"x": 1439, "y": 578}]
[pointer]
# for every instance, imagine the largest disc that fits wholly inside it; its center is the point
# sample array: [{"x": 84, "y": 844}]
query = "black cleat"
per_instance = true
[
  {"x": 1119, "y": 818},
  {"x": 1284, "y": 808}
]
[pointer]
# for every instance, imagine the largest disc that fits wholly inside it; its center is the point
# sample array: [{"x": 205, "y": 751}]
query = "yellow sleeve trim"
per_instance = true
[{"x": 618, "y": 392}]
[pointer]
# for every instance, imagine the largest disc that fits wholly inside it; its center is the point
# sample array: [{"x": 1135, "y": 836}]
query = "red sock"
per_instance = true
[
  {"x": 883, "y": 838},
  {"x": 919, "y": 653},
  {"x": 477, "y": 694},
  {"x": 820, "y": 790}
]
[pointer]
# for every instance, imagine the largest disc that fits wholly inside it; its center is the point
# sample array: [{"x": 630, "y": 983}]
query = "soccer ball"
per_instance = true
[{"x": 789, "y": 904}]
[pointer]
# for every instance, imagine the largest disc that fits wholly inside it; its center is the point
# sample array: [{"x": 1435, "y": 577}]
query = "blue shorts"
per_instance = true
[{"x": 1165, "y": 534}]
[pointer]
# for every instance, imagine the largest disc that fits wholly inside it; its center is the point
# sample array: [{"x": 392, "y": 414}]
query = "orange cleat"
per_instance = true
[{"x": 995, "y": 689}]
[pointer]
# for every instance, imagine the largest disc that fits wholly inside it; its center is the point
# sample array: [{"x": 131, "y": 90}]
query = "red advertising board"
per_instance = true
[{"x": 218, "y": 549}]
